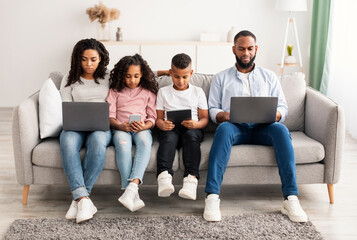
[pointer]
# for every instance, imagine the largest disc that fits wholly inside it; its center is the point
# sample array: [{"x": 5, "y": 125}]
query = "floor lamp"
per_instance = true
[{"x": 291, "y": 6}]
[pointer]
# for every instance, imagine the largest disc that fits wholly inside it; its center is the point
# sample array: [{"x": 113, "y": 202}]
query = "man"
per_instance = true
[{"x": 247, "y": 79}]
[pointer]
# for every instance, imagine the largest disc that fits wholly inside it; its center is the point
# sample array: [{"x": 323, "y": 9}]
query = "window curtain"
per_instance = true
[
  {"x": 319, "y": 34},
  {"x": 340, "y": 71}
]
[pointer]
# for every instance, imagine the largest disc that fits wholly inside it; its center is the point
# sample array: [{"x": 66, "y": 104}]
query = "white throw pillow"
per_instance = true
[{"x": 50, "y": 107}]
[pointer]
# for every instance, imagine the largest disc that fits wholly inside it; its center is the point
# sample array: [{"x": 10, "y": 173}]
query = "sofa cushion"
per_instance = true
[
  {"x": 294, "y": 88},
  {"x": 56, "y": 78},
  {"x": 47, "y": 154},
  {"x": 50, "y": 110},
  {"x": 306, "y": 150}
]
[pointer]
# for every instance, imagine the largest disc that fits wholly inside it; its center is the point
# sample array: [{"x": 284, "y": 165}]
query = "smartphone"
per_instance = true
[{"x": 134, "y": 117}]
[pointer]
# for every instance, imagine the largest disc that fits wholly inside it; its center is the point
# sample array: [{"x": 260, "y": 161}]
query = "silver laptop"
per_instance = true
[
  {"x": 85, "y": 116},
  {"x": 253, "y": 109}
]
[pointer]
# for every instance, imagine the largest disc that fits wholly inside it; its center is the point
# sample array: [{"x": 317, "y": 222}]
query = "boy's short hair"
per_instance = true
[{"x": 181, "y": 61}]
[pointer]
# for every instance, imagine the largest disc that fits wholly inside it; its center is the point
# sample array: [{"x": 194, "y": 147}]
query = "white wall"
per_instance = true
[{"x": 37, "y": 36}]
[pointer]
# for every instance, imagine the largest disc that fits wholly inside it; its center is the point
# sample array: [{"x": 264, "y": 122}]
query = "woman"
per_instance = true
[{"x": 87, "y": 81}]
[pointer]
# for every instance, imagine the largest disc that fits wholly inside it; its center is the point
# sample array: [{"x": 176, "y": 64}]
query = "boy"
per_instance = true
[{"x": 188, "y": 134}]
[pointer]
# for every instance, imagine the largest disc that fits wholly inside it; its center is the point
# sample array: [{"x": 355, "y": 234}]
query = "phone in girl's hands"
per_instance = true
[{"x": 134, "y": 117}]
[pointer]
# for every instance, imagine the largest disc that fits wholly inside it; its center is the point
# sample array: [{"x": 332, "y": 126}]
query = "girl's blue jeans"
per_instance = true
[{"x": 128, "y": 168}]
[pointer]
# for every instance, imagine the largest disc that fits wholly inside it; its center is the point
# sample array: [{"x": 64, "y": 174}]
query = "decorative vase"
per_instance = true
[
  {"x": 231, "y": 34},
  {"x": 103, "y": 31},
  {"x": 290, "y": 60}
]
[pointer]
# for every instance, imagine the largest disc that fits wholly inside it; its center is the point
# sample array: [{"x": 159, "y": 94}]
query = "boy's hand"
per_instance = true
[
  {"x": 138, "y": 126},
  {"x": 167, "y": 126},
  {"x": 189, "y": 124},
  {"x": 125, "y": 127}
]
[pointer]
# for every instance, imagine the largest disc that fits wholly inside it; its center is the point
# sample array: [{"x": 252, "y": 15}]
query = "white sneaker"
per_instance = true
[
  {"x": 291, "y": 207},
  {"x": 189, "y": 188},
  {"x": 138, "y": 203},
  {"x": 165, "y": 187},
  {"x": 86, "y": 210},
  {"x": 212, "y": 212},
  {"x": 72, "y": 211},
  {"x": 128, "y": 197}
]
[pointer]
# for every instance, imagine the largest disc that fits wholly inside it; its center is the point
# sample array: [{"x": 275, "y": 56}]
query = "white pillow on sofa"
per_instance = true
[{"x": 50, "y": 110}]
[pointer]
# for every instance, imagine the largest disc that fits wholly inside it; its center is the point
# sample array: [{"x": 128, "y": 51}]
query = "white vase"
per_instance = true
[
  {"x": 231, "y": 34},
  {"x": 103, "y": 31},
  {"x": 290, "y": 60}
]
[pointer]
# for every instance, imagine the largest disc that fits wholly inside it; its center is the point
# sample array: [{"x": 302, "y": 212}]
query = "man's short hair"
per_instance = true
[
  {"x": 244, "y": 33},
  {"x": 181, "y": 61}
]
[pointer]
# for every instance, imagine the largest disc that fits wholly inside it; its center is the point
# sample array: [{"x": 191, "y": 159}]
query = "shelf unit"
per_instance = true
[{"x": 207, "y": 57}]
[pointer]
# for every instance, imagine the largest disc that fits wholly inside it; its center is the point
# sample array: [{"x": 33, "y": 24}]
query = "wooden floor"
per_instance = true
[{"x": 337, "y": 221}]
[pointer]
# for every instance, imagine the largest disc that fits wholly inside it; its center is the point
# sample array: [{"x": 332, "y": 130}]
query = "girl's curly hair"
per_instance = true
[
  {"x": 117, "y": 75},
  {"x": 76, "y": 60}
]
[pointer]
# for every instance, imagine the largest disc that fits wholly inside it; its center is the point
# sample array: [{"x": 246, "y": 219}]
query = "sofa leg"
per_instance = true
[
  {"x": 330, "y": 193},
  {"x": 25, "y": 194}
]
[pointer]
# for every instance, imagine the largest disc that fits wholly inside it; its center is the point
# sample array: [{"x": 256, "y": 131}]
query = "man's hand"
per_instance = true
[
  {"x": 278, "y": 116},
  {"x": 125, "y": 127},
  {"x": 189, "y": 124},
  {"x": 167, "y": 125},
  {"x": 223, "y": 117}
]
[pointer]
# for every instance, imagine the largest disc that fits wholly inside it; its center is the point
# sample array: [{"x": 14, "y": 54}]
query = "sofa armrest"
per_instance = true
[
  {"x": 325, "y": 122},
  {"x": 25, "y": 136}
]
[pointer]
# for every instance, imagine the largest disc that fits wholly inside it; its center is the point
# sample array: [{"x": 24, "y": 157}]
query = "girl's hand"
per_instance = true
[
  {"x": 189, "y": 124},
  {"x": 138, "y": 126},
  {"x": 167, "y": 126},
  {"x": 125, "y": 127}
]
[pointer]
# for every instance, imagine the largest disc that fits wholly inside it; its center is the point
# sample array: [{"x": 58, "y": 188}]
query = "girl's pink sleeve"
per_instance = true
[
  {"x": 151, "y": 108},
  {"x": 112, "y": 100}
]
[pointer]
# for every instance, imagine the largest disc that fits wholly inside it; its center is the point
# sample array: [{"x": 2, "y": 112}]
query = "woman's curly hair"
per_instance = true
[
  {"x": 76, "y": 60},
  {"x": 117, "y": 75}
]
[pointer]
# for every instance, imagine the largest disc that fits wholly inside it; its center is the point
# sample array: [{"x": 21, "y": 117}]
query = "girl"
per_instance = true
[
  {"x": 87, "y": 81},
  {"x": 133, "y": 90}
]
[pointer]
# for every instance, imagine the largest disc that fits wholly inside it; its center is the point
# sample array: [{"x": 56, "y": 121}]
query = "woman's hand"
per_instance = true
[{"x": 189, "y": 124}]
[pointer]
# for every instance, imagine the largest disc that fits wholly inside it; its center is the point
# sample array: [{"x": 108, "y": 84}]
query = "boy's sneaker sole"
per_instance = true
[
  {"x": 166, "y": 192},
  {"x": 187, "y": 195}
]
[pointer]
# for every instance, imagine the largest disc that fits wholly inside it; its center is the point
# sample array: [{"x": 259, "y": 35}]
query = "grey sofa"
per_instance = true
[{"x": 316, "y": 124}]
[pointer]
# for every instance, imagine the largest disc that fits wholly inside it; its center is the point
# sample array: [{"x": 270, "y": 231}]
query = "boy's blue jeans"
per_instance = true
[
  {"x": 228, "y": 134},
  {"x": 82, "y": 175},
  {"x": 123, "y": 142}
]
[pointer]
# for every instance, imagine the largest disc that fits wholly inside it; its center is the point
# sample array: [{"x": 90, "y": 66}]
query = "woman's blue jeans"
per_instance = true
[
  {"x": 82, "y": 175},
  {"x": 123, "y": 142},
  {"x": 229, "y": 134}
]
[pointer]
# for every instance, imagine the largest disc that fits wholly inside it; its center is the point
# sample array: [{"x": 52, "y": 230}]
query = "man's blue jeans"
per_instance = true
[
  {"x": 82, "y": 175},
  {"x": 229, "y": 134},
  {"x": 123, "y": 142}
]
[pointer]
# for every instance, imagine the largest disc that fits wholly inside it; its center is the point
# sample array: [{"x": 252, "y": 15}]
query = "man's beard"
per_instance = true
[{"x": 245, "y": 65}]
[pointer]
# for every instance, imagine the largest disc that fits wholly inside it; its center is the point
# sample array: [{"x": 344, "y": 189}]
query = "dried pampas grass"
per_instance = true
[{"x": 102, "y": 13}]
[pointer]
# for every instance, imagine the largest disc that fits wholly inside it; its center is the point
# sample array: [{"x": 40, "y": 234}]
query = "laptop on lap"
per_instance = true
[
  {"x": 253, "y": 109},
  {"x": 85, "y": 116}
]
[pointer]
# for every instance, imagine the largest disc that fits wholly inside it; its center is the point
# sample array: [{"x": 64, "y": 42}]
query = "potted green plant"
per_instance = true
[{"x": 290, "y": 59}]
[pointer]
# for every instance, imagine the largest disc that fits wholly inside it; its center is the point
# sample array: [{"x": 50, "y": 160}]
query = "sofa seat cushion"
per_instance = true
[
  {"x": 47, "y": 154},
  {"x": 306, "y": 150}
]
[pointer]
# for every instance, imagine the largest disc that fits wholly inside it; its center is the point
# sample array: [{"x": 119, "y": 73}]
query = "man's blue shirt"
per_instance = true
[{"x": 228, "y": 83}]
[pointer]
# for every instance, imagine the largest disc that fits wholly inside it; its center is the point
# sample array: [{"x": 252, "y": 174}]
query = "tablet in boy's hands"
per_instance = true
[
  {"x": 177, "y": 116},
  {"x": 134, "y": 117}
]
